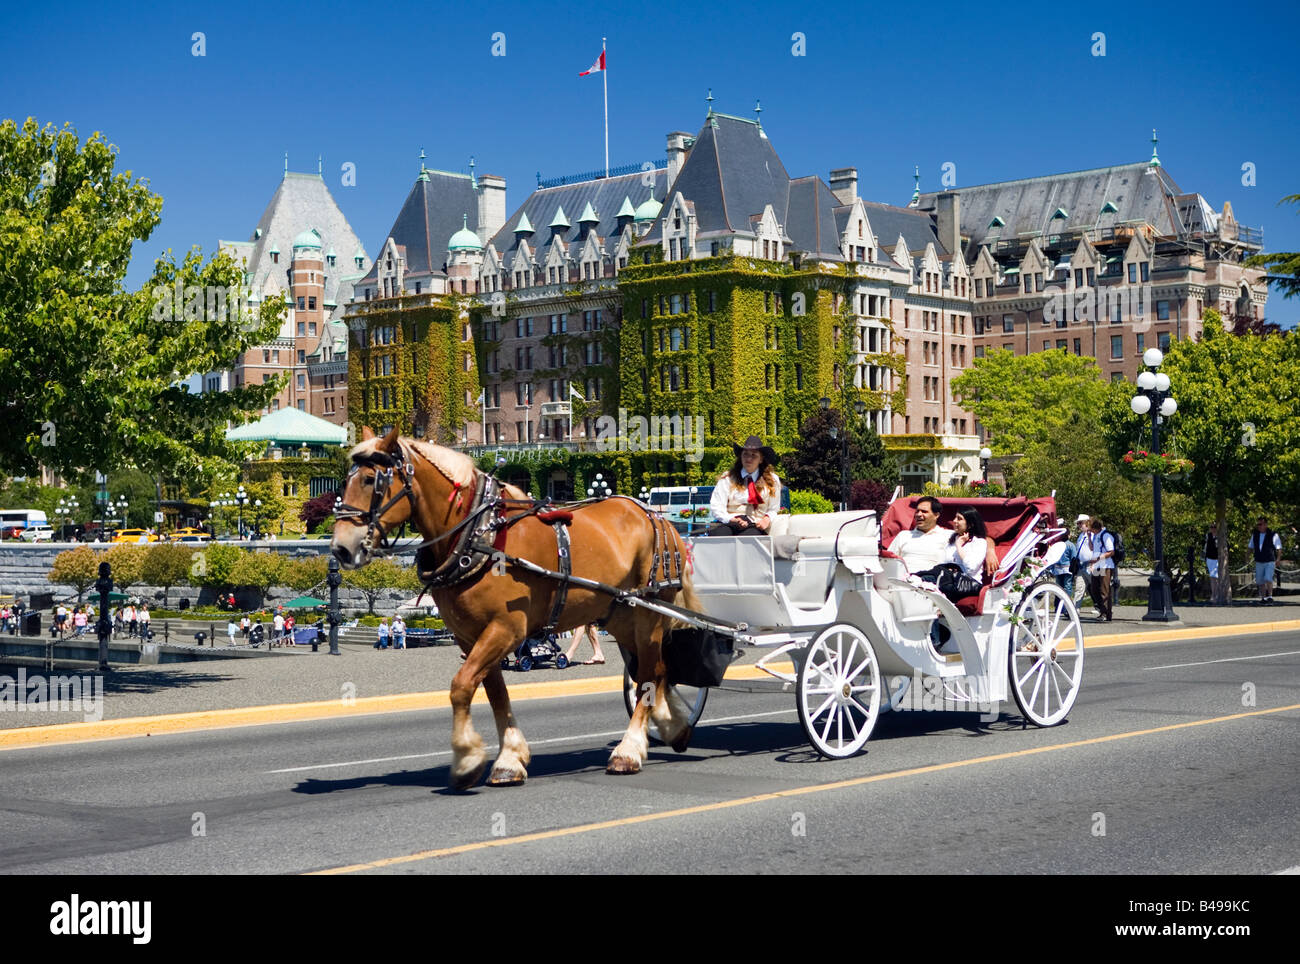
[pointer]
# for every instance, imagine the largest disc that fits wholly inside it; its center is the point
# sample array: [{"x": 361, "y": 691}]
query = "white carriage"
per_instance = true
[{"x": 851, "y": 636}]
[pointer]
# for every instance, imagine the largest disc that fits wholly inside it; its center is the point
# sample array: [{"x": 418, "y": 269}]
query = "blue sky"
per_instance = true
[{"x": 1000, "y": 91}]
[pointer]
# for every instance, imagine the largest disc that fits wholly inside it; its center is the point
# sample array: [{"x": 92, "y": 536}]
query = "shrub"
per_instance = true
[{"x": 802, "y": 502}]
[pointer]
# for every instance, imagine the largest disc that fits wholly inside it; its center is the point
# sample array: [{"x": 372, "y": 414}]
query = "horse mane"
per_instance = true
[{"x": 455, "y": 466}]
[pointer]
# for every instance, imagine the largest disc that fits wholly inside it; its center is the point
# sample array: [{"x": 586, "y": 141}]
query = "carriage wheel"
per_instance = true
[
  {"x": 839, "y": 691},
  {"x": 693, "y": 696},
  {"x": 525, "y": 663},
  {"x": 1046, "y": 658}
]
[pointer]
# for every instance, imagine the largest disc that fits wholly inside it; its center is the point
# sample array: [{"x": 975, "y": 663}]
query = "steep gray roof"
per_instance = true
[
  {"x": 1138, "y": 191},
  {"x": 430, "y": 215},
  {"x": 810, "y": 220},
  {"x": 916, "y": 227},
  {"x": 731, "y": 173},
  {"x": 605, "y": 195},
  {"x": 300, "y": 202}
]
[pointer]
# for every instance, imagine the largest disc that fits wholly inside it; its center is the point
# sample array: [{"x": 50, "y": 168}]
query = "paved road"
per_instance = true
[{"x": 1161, "y": 769}]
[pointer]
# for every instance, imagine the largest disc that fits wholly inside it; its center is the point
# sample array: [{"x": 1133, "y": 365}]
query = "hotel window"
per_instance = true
[
  {"x": 1092, "y": 276},
  {"x": 1146, "y": 271},
  {"x": 674, "y": 304},
  {"x": 302, "y": 356},
  {"x": 1115, "y": 317},
  {"x": 311, "y": 299},
  {"x": 710, "y": 336},
  {"x": 1162, "y": 310},
  {"x": 1061, "y": 344},
  {"x": 302, "y": 328},
  {"x": 1162, "y": 339},
  {"x": 1078, "y": 348},
  {"x": 302, "y": 381},
  {"x": 1029, "y": 284},
  {"x": 1078, "y": 277},
  {"x": 1008, "y": 322},
  {"x": 1141, "y": 343},
  {"x": 1132, "y": 272},
  {"x": 1116, "y": 346},
  {"x": 798, "y": 338},
  {"x": 979, "y": 287},
  {"x": 311, "y": 327},
  {"x": 711, "y": 376},
  {"x": 1038, "y": 281}
]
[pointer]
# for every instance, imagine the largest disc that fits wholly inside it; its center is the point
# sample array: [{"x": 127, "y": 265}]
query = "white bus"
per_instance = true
[{"x": 14, "y": 521}]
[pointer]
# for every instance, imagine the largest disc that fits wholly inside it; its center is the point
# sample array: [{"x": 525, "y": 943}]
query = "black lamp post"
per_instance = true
[
  {"x": 104, "y": 625},
  {"x": 860, "y": 408},
  {"x": 334, "y": 578},
  {"x": 1153, "y": 396},
  {"x": 986, "y": 453}
]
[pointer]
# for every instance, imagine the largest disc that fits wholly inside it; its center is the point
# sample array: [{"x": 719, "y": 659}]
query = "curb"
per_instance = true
[{"x": 137, "y": 726}]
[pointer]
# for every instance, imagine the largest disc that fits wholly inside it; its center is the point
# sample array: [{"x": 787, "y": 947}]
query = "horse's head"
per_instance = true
[{"x": 378, "y": 496}]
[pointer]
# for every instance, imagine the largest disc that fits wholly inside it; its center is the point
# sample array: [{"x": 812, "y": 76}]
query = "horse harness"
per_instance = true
[{"x": 481, "y": 535}]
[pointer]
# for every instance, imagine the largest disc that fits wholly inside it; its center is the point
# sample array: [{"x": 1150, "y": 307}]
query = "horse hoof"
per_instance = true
[
  {"x": 620, "y": 765},
  {"x": 507, "y": 777},
  {"x": 680, "y": 744},
  {"x": 467, "y": 779}
]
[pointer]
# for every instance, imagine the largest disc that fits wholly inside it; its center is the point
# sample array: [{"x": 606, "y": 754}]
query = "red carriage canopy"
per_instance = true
[{"x": 1004, "y": 518}]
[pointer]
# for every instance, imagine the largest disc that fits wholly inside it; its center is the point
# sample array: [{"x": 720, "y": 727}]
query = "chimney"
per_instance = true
[
  {"x": 491, "y": 206},
  {"x": 677, "y": 152},
  {"x": 948, "y": 216},
  {"x": 844, "y": 184}
]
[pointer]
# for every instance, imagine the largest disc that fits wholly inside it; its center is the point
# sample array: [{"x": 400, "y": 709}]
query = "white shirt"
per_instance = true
[
  {"x": 399, "y": 625},
  {"x": 730, "y": 499},
  {"x": 1101, "y": 542},
  {"x": 970, "y": 557},
  {"x": 278, "y": 622},
  {"x": 922, "y": 550}
]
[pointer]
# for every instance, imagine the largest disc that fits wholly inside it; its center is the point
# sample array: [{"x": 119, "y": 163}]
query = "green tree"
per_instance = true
[
  {"x": 258, "y": 570},
  {"x": 802, "y": 502},
  {"x": 1283, "y": 268},
  {"x": 127, "y": 561},
  {"x": 1017, "y": 398},
  {"x": 92, "y": 373},
  {"x": 1238, "y": 420},
  {"x": 816, "y": 462},
  {"x": 78, "y": 568},
  {"x": 302, "y": 575},
  {"x": 373, "y": 579},
  {"x": 214, "y": 564},
  {"x": 166, "y": 565}
]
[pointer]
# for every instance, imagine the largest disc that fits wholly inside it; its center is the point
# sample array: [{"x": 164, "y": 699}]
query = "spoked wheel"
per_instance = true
[
  {"x": 693, "y": 696},
  {"x": 839, "y": 691},
  {"x": 1046, "y": 655}
]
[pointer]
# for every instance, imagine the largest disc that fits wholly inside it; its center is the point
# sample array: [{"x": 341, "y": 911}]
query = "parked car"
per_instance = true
[
  {"x": 134, "y": 535},
  {"x": 38, "y": 533},
  {"x": 189, "y": 534}
]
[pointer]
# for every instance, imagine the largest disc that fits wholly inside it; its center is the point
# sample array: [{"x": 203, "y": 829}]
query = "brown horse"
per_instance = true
[{"x": 614, "y": 541}]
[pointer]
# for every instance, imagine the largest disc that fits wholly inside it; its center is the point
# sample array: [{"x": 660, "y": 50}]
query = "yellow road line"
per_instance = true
[
  {"x": 780, "y": 794},
  {"x": 138, "y": 726}
]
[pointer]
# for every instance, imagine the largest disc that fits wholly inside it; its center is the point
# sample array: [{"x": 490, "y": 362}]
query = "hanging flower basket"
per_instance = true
[{"x": 1141, "y": 464}]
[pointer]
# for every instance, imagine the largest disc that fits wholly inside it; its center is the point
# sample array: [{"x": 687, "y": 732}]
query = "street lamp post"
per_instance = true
[
  {"x": 1154, "y": 397},
  {"x": 859, "y": 407},
  {"x": 67, "y": 513},
  {"x": 986, "y": 453},
  {"x": 599, "y": 489}
]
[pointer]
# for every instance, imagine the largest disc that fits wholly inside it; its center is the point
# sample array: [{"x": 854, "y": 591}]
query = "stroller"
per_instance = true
[{"x": 535, "y": 651}]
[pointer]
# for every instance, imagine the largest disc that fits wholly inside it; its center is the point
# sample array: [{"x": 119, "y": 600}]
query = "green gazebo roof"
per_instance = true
[{"x": 289, "y": 426}]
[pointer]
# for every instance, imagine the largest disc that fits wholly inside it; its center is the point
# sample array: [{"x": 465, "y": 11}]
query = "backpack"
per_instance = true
[{"x": 1120, "y": 551}]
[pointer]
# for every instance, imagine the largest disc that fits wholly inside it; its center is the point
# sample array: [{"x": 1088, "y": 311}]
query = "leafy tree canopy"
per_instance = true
[
  {"x": 1283, "y": 268},
  {"x": 815, "y": 464},
  {"x": 90, "y": 373},
  {"x": 1017, "y": 398}
]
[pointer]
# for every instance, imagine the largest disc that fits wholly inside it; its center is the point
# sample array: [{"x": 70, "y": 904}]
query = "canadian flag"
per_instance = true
[{"x": 598, "y": 66}]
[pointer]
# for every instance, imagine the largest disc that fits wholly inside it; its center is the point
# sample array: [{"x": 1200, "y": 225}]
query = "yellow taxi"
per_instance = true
[
  {"x": 190, "y": 534},
  {"x": 134, "y": 535}
]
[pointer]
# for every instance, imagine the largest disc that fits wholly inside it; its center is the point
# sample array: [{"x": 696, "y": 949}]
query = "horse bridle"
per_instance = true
[{"x": 385, "y": 466}]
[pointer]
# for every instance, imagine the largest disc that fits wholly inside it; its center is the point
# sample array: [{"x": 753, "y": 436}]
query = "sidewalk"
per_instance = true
[{"x": 362, "y": 672}]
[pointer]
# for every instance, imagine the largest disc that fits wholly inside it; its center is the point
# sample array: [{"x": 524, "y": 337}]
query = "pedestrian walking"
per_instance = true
[
  {"x": 245, "y": 624},
  {"x": 143, "y": 617},
  {"x": 1266, "y": 546},
  {"x": 591, "y": 632},
  {"x": 230, "y": 631},
  {"x": 1102, "y": 544},
  {"x": 278, "y": 625},
  {"x": 1211, "y": 551}
]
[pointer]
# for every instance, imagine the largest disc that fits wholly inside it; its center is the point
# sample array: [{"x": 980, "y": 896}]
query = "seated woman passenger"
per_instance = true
[
  {"x": 967, "y": 558},
  {"x": 748, "y": 497}
]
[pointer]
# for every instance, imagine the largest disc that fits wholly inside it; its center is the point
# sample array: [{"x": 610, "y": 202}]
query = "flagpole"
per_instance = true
[{"x": 604, "y": 76}]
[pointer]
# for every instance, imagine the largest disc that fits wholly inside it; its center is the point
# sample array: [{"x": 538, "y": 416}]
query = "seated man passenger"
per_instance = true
[
  {"x": 926, "y": 546},
  {"x": 748, "y": 497}
]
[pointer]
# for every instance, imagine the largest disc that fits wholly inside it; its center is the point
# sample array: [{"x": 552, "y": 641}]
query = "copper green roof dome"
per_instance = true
[
  {"x": 626, "y": 211},
  {"x": 464, "y": 239},
  {"x": 649, "y": 209},
  {"x": 561, "y": 220},
  {"x": 524, "y": 226},
  {"x": 308, "y": 239}
]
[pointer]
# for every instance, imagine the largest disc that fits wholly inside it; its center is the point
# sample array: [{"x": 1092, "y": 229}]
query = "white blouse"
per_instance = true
[{"x": 970, "y": 557}]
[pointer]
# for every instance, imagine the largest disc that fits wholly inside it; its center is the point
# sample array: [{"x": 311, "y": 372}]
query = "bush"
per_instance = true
[
  {"x": 803, "y": 502},
  {"x": 870, "y": 494},
  {"x": 316, "y": 512}
]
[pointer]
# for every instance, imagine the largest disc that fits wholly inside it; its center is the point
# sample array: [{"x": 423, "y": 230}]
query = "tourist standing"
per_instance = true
[
  {"x": 382, "y": 641},
  {"x": 1266, "y": 546},
  {"x": 399, "y": 633}
]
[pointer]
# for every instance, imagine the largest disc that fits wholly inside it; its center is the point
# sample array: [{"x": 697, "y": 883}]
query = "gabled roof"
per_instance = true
[
  {"x": 914, "y": 226},
  {"x": 1138, "y": 192},
  {"x": 300, "y": 202},
  {"x": 439, "y": 204},
  {"x": 810, "y": 221},
  {"x": 604, "y": 194},
  {"x": 731, "y": 173}
]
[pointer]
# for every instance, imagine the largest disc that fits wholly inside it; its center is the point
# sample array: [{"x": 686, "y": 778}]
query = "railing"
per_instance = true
[{"x": 596, "y": 175}]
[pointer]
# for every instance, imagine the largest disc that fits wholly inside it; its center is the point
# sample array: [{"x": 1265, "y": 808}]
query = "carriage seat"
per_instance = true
[{"x": 974, "y": 605}]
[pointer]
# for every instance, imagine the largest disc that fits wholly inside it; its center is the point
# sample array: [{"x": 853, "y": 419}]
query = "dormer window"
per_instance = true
[
  {"x": 275, "y": 257},
  {"x": 358, "y": 260},
  {"x": 330, "y": 259},
  {"x": 677, "y": 222}
]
